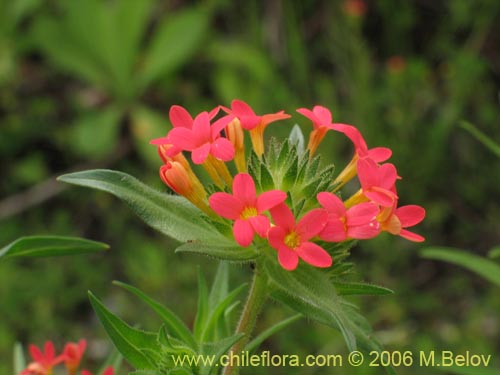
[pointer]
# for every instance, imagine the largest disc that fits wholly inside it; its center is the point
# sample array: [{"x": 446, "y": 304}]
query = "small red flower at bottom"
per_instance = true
[
  {"x": 108, "y": 371},
  {"x": 73, "y": 353},
  {"x": 43, "y": 361},
  {"x": 292, "y": 239},
  {"x": 246, "y": 208}
]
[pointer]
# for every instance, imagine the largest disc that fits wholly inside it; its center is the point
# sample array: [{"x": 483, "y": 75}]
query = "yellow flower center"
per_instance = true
[
  {"x": 248, "y": 212},
  {"x": 292, "y": 240}
]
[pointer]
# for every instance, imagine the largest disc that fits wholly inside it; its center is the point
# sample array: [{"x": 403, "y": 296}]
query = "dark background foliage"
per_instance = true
[{"x": 88, "y": 83}]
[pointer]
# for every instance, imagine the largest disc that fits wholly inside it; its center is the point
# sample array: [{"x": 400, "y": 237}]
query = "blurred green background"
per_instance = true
[{"x": 88, "y": 83}]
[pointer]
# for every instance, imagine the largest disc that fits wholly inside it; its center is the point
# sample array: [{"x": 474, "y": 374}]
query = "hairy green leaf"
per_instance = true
[
  {"x": 129, "y": 341},
  {"x": 169, "y": 214},
  {"x": 356, "y": 288},
  {"x": 173, "y": 323}
]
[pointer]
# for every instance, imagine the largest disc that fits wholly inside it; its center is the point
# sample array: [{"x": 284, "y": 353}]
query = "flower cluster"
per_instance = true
[
  {"x": 45, "y": 361},
  {"x": 217, "y": 137}
]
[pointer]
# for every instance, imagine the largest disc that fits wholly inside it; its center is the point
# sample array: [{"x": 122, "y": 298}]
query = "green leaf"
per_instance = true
[
  {"x": 309, "y": 291},
  {"x": 172, "y": 215},
  {"x": 220, "y": 286},
  {"x": 479, "y": 265},
  {"x": 174, "y": 42},
  {"x": 45, "y": 246},
  {"x": 173, "y": 323},
  {"x": 217, "y": 314},
  {"x": 481, "y": 137},
  {"x": 18, "y": 357},
  {"x": 129, "y": 341},
  {"x": 203, "y": 309},
  {"x": 114, "y": 360},
  {"x": 356, "y": 288},
  {"x": 217, "y": 349},
  {"x": 494, "y": 253},
  {"x": 232, "y": 253},
  {"x": 105, "y": 124},
  {"x": 254, "y": 344}
]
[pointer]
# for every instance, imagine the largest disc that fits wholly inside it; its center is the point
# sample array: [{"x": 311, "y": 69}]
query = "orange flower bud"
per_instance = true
[
  {"x": 175, "y": 176},
  {"x": 235, "y": 134}
]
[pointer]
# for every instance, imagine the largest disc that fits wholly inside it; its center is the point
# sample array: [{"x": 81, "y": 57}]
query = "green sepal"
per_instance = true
[{"x": 46, "y": 246}]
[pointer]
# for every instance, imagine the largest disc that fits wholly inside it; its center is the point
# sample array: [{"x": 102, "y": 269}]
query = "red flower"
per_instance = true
[
  {"x": 394, "y": 220},
  {"x": 378, "y": 181},
  {"x": 43, "y": 361},
  {"x": 292, "y": 239},
  {"x": 246, "y": 208},
  {"x": 108, "y": 371},
  {"x": 180, "y": 118},
  {"x": 203, "y": 139},
  {"x": 321, "y": 118},
  {"x": 377, "y": 154},
  {"x": 73, "y": 353},
  {"x": 359, "y": 221},
  {"x": 253, "y": 122}
]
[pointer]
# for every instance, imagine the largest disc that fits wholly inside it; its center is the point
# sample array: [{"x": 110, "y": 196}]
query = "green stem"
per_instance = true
[{"x": 255, "y": 300}]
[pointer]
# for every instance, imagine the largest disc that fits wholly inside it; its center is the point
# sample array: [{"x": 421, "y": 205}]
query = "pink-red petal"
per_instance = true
[
  {"x": 323, "y": 114},
  {"x": 201, "y": 128},
  {"x": 334, "y": 231},
  {"x": 200, "y": 154},
  {"x": 379, "y": 154},
  {"x": 243, "y": 232},
  {"x": 244, "y": 189},
  {"x": 270, "y": 199},
  {"x": 411, "y": 236},
  {"x": 314, "y": 254},
  {"x": 222, "y": 149},
  {"x": 362, "y": 213},
  {"x": 288, "y": 258},
  {"x": 182, "y": 138},
  {"x": 332, "y": 203},
  {"x": 226, "y": 205},
  {"x": 276, "y": 237},
  {"x": 312, "y": 223},
  {"x": 410, "y": 215},
  {"x": 364, "y": 232},
  {"x": 260, "y": 224},
  {"x": 283, "y": 217},
  {"x": 180, "y": 117}
]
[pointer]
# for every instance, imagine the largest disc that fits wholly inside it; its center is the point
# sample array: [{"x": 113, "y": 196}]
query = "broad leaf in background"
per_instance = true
[
  {"x": 172, "y": 215},
  {"x": 47, "y": 246},
  {"x": 479, "y": 265},
  {"x": 95, "y": 133},
  {"x": 175, "y": 40}
]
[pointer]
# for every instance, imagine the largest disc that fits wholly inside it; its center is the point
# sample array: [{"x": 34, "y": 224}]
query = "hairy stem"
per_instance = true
[{"x": 255, "y": 300}]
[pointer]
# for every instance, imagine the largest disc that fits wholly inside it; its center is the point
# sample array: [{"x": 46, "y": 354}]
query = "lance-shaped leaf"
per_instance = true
[
  {"x": 309, "y": 291},
  {"x": 46, "y": 246},
  {"x": 483, "y": 267},
  {"x": 233, "y": 253},
  {"x": 173, "y": 323},
  {"x": 135, "y": 345},
  {"x": 353, "y": 288},
  {"x": 169, "y": 214}
]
